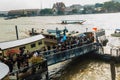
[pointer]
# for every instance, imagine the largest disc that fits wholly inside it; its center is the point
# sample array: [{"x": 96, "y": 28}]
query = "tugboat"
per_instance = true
[{"x": 116, "y": 33}]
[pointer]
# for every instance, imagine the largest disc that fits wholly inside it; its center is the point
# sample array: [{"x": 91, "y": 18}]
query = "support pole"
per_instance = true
[
  {"x": 111, "y": 52},
  {"x": 112, "y": 67},
  {"x": 86, "y": 29},
  {"x": 117, "y": 52},
  {"x": 17, "y": 75},
  {"x": 32, "y": 31},
  {"x": 16, "y": 32}
]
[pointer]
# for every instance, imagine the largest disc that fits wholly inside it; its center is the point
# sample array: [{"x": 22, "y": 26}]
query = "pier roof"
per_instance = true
[{"x": 11, "y": 44}]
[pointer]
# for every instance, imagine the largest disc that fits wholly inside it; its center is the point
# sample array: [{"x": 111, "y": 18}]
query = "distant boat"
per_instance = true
[
  {"x": 10, "y": 17},
  {"x": 116, "y": 33},
  {"x": 72, "y": 21}
]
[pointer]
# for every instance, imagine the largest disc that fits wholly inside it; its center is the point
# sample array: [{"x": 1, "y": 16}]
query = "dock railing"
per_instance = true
[
  {"x": 34, "y": 72},
  {"x": 53, "y": 56}
]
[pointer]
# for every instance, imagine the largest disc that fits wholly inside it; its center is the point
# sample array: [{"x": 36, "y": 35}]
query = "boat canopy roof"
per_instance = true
[
  {"x": 11, "y": 44},
  {"x": 53, "y": 31},
  {"x": 117, "y": 29},
  {"x": 4, "y": 69},
  {"x": 72, "y": 20}
]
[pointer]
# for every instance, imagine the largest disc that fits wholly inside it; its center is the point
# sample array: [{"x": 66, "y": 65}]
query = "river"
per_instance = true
[{"x": 86, "y": 70}]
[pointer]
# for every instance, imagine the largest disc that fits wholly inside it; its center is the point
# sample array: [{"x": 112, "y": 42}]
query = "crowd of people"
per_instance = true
[
  {"x": 70, "y": 43},
  {"x": 22, "y": 60}
]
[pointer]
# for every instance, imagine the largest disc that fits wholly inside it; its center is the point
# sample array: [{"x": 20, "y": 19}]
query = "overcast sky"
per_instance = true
[{"x": 28, "y": 4}]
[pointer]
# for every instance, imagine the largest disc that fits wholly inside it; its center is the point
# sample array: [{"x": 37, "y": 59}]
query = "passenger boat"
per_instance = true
[
  {"x": 116, "y": 33},
  {"x": 51, "y": 35},
  {"x": 72, "y": 21},
  {"x": 11, "y": 51},
  {"x": 14, "y": 47}
]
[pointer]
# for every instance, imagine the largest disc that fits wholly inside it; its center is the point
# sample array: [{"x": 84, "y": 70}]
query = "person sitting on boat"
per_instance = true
[
  {"x": 35, "y": 54},
  {"x": 64, "y": 22}
]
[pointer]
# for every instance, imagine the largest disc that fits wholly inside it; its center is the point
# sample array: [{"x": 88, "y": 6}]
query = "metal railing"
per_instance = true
[
  {"x": 33, "y": 72},
  {"x": 53, "y": 56}
]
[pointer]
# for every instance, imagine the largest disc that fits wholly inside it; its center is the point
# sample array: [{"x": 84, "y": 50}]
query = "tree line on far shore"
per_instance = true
[{"x": 106, "y": 7}]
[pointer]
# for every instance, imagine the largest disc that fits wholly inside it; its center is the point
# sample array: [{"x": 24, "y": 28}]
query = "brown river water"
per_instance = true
[{"x": 80, "y": 70}]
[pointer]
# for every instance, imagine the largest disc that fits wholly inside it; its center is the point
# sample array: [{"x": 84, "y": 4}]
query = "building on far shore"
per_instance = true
[
  {"x": 77, "y": 7},
  {"x": 116, "y": 1},
  {"x": 24, "y": 12},
  {"x": 58, "y": 8},
  {"x": 74, "y": 9},
  {"x": 68, "y": 10},
  {"x": 3, "y": 13}
]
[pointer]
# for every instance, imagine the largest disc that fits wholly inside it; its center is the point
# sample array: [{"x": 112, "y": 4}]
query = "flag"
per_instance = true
[{"x": 95, "y": 29}]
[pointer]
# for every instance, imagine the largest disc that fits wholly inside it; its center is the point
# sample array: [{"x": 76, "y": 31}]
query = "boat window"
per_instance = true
[
  {"x": 117, "y": 31},
  {"x": 21, "y": 48},
  {"x": 0, "y": 54},
  {"x": 33, "y": 45},
  {"x": 40, "y": 42}
]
